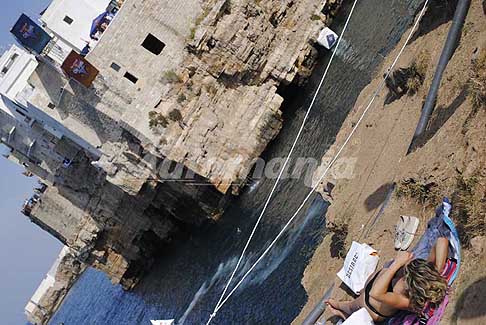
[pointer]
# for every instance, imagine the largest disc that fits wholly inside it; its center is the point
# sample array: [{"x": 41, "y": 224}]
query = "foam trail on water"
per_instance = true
[
  {"x": 263, "y": 270},
  {"x": 352, "y": 57},
  {"x": 254, "y": 184},
  {"x": 281, "y": 252},
  {"x": 222, "y": 269}
]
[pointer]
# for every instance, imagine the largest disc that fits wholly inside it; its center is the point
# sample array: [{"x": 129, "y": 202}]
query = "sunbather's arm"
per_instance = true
[{"x": 379, "y": 291}]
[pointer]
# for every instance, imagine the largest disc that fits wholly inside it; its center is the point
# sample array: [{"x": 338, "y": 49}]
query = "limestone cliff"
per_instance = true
[
  {"x": 219, "y": 108},
  {"x": 118, "y": 227},
  {"x": 51, "y": 292},
  {"x": 225, "y": 94}
]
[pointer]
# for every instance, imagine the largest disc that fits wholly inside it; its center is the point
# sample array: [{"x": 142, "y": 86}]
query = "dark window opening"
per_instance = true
[
  {"x": 21, "y": 113},
  {"x": 51, "y": 105},
  {"x": 153, "y": 44},
  {"x": 131, "y": 77},
  {"x": 68, "y": 20},
  {"x": 115, "y": 67},
  {"x": 9, "y": 63}
]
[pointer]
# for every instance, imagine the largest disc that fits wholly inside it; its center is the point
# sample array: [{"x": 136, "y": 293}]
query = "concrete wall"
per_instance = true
[
  {"x": 61, "y": 218},
  {"x": 50, "y": 87},
  {"x": 170, "y": 22}
]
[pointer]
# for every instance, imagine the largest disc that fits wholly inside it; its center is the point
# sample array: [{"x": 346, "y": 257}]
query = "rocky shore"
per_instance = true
[{"x": 449, "y": 162}]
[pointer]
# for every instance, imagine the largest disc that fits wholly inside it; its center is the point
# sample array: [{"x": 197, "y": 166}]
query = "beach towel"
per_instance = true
[{"x": 439, "y": 226}]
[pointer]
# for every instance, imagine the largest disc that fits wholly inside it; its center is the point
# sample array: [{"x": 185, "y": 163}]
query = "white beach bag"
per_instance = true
[{"x": 360, "y": 263}]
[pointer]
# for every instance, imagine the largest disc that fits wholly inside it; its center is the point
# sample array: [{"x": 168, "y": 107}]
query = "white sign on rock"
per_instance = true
[{"x": 327, "y": 38}]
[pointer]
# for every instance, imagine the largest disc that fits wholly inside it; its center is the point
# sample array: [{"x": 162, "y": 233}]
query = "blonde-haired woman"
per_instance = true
[{"x": 407, "y": 284}]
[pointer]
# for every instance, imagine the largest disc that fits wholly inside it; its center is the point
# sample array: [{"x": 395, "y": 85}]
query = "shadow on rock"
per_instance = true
[
  {"x": 438, "y": 13},
  {"x": 375, "y": 200},
  {"x": 440, "y": 117},
  {"x": 471, "y": 303}
]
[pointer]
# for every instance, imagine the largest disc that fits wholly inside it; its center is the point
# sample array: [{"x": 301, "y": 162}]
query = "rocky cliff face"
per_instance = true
[
  {"x": 225, "y": 95},
  {"x": 219, "y": 111},
  {"x": 115, "y": 222},
  {"x": 54, "y": 288}
]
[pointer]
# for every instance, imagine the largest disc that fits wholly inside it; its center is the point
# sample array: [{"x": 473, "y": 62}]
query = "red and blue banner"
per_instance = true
[
  {"x": 30, "y": 35},
  {"x": 76, "y": 67}
]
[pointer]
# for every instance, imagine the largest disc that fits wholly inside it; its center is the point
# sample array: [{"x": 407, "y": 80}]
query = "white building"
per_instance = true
[
  {"x": 70, "y": 21},
  {"x": 48, "y": 296},
  {"x": 16, "y": 68}
]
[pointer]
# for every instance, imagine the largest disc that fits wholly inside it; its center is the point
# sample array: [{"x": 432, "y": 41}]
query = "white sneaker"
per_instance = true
[
  {"x": 409, "y": 230},
  {"x": 400, "y": 232}
]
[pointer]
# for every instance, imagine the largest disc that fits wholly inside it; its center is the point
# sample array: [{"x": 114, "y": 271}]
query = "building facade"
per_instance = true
[
  {"x": 70, "y": 22},
  {"x": 20, "y": 89}
]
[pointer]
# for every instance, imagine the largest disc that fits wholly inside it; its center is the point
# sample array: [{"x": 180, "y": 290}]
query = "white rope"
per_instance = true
[
  {"x": 267, "y": 202},
  {"x": 375, "y": 94}
]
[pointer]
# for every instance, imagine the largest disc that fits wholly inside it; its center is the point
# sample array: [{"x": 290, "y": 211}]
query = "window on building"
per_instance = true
[
  {"x": 68, "y": 20},
  {"x": 131, "y": 77},
  {"x": 9, "y": 63},
  {"x": 51, "y": 105},
  {"x": 153, "y": 44},
  {"x": 115, "y": 66}
]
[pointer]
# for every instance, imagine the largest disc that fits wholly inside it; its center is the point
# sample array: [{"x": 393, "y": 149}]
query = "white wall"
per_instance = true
[
  {"x": 19, "y": 65},
  {"x": 82, "y": 12},
  {"x": 59, "y": 129},
  {"x": 15, "y": 95}
]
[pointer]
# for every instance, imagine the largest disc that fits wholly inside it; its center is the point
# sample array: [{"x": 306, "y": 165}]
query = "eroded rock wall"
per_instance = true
[
  {"x": 115, "y": 222},
  {"x": 51, "y": 292},
  {"x": 238, "y": 55},
  {"x": 214, "y": 113}
]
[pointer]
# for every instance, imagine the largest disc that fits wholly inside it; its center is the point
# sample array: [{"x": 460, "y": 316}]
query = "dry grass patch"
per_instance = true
[
  {"x": 469, "y": 206},
  {"x": 477, "y": 81},
  {"x": 338, "y": 239},
  {"x": 425, "y": 193},
  {"x": 157, "y": 120},
  {"x": 170, "y": 77},
  {"x": 417, "y": 72}
]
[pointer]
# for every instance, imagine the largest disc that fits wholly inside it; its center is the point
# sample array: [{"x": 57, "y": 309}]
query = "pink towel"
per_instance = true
[{"x": 432, "y": 315}]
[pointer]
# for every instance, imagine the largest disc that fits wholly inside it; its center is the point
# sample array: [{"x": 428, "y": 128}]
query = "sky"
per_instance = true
[{"x": 26, "y": 251}]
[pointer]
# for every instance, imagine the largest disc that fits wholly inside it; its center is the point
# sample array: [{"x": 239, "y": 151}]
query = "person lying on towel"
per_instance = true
[{"x": 406, "y": 284}]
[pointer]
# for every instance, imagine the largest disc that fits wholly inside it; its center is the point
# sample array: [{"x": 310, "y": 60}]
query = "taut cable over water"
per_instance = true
[
  {"x": 380, "y": 87},
  {"x": 282, "y": 169}
]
